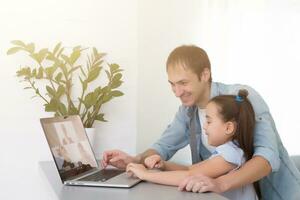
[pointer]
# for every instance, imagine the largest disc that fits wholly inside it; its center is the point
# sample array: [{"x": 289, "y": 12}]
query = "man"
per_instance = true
[{"x": 189, "y": 74}]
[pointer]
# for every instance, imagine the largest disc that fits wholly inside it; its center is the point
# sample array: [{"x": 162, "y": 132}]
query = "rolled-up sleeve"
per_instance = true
[
  {"x": 265, "y": 140},
  {"x": 174, "y": 137}
]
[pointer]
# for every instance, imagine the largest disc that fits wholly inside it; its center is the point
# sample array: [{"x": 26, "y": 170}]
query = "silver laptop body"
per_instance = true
[{"x": 74, "y": 157}]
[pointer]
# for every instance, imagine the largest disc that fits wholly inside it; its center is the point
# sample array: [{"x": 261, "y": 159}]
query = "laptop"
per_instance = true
[{"x": 74, "y": 158}]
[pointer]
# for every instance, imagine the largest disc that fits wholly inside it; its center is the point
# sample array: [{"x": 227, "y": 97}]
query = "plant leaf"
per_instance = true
[
  {"x": 116, "y": 84},
  {"x": 107, "y": 74},
  {"x": 73, "y": 111},
  {"x": 89, "y": 100},
  {"x": 77, "y": 48},
  {"x": 40, "y": 73},
  {"x": 60, "y": 91},
  {"x": 117, "y": 77},
  {"x": 18, "y": 43},
  {"x": 98, "y": 91},
  {"x": 56, "y": 48},
  {"x": 14, "y": 50},
  {"x": 114, "y": 67},
  {"x": 93, "y": 74},
  {"x": 116, "y": 93},
  {"x": 50, "y": 91},
  {"x": 58, "y": 77},
  {"x": 107, "y": 98},
  {"x": 82, "y": 71},
  {"x": 62, "y": 108},
  {"x": 30, "y": 47},
  {"x": 51, "y": 56},
  {"x": 100, "y": 117},
  {"x": 74, "y": 56},
  {"x": 73, "y": 69},
  {"x": 84, "y": 84},
  {"x": 50, "y": 71},
  {"x": 24, "y": 72},
  {"x": 95, "y": 51},
  {"x": 60, "y": 51},
  {"x": 65, "y": 58},
  {"x": 42, "y": 54},
  {"x": 33, "y": 73},
  {"x": 52, "y": 106}
]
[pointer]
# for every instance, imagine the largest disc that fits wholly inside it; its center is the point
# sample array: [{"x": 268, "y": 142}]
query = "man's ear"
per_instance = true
[
  {"x": 230, "y": 128},
  {"x": 205, "y": 75}
]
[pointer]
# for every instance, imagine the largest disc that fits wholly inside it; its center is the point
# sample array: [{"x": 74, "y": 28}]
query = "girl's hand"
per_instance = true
[
  {"x": 154, "y": 161},
  {"x": 137, "y": 170}
]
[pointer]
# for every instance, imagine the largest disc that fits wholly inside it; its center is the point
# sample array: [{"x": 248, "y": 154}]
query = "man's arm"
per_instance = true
[
  {"x": 253, "y": 170},
  {"x": 174, "y": 138},
  {"x": 140, "y": 158},
  {"x": 120, "y": 159}
]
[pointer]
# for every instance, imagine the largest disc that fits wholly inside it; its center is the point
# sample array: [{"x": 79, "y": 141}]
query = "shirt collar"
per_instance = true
[{"x": 214, "y": 90}]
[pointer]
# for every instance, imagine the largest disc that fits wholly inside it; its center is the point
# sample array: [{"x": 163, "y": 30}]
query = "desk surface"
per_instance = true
[{"x": 143, "y": 190}]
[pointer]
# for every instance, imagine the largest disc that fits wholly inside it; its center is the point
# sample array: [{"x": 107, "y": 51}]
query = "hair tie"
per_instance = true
[{"x": 239, "y": 98}]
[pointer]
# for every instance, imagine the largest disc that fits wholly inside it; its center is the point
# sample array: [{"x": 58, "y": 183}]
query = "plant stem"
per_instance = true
[{"x": 37, "y": 92}]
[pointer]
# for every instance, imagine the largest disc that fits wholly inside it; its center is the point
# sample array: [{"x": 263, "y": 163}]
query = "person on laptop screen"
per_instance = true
[{"x": 69, "y": 149}]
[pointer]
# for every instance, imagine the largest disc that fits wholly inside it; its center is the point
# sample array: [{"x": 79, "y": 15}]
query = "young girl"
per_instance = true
[{"x": 229, "y": 126}]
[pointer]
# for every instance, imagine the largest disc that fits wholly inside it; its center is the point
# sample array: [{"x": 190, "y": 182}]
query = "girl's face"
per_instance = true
[{"x": 218, "y": 131}]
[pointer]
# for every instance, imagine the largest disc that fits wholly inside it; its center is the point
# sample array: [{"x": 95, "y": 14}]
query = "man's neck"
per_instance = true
[{"x": 205, "y": 97}]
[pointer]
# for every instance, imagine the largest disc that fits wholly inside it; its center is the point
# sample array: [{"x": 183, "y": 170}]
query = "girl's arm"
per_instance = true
[
  {"x": 170, "y": 166},
  {"x": 156, "y": 162},
  {"x": 213, "y": 167}
]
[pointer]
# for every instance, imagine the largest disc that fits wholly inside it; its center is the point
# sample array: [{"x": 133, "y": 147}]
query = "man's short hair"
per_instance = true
[{"x": 189, "y": 56}]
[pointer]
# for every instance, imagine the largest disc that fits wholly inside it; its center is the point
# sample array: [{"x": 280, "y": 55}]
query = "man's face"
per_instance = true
[{"x": 186, "y": 85}]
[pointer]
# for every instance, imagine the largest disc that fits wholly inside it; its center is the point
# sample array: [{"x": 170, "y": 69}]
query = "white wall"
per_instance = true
[{"x": 111, "y": 26}]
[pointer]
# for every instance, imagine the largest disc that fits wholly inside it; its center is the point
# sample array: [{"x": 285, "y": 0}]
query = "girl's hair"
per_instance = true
[{"x": 238, "y": 109}]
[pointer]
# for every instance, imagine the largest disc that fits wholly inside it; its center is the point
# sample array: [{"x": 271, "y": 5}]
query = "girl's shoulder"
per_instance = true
[{"x": 230, "y": 152}]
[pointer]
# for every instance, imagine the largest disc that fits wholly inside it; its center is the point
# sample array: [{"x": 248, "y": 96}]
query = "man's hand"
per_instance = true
[
  {"x": 137, "y": 170},
  {"x": 154, "y": 161},
  {"x": 200, "y": 183},
  {"x": 116, "y": 158}
]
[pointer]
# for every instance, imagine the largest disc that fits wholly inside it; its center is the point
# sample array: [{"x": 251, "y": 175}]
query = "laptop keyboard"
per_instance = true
[{"x": 102, "y": 175}]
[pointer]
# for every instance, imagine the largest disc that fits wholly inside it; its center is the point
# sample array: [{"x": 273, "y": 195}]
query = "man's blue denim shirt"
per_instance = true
[{"x": 283, "y": 183}]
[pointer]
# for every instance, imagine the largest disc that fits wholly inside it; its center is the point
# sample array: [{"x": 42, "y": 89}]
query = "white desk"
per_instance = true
[{"x": 143, "y": 190}]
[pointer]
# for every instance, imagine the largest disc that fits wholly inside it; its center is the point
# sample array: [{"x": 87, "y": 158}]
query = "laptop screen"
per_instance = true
[{"x": 69, "y": 146}]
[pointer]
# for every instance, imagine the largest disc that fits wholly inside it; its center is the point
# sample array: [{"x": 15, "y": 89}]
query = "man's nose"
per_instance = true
[{"x": 178, "y": 91}]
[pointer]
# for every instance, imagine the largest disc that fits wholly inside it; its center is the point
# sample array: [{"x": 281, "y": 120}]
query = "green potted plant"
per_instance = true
[{"x": 55, "y": 72}]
